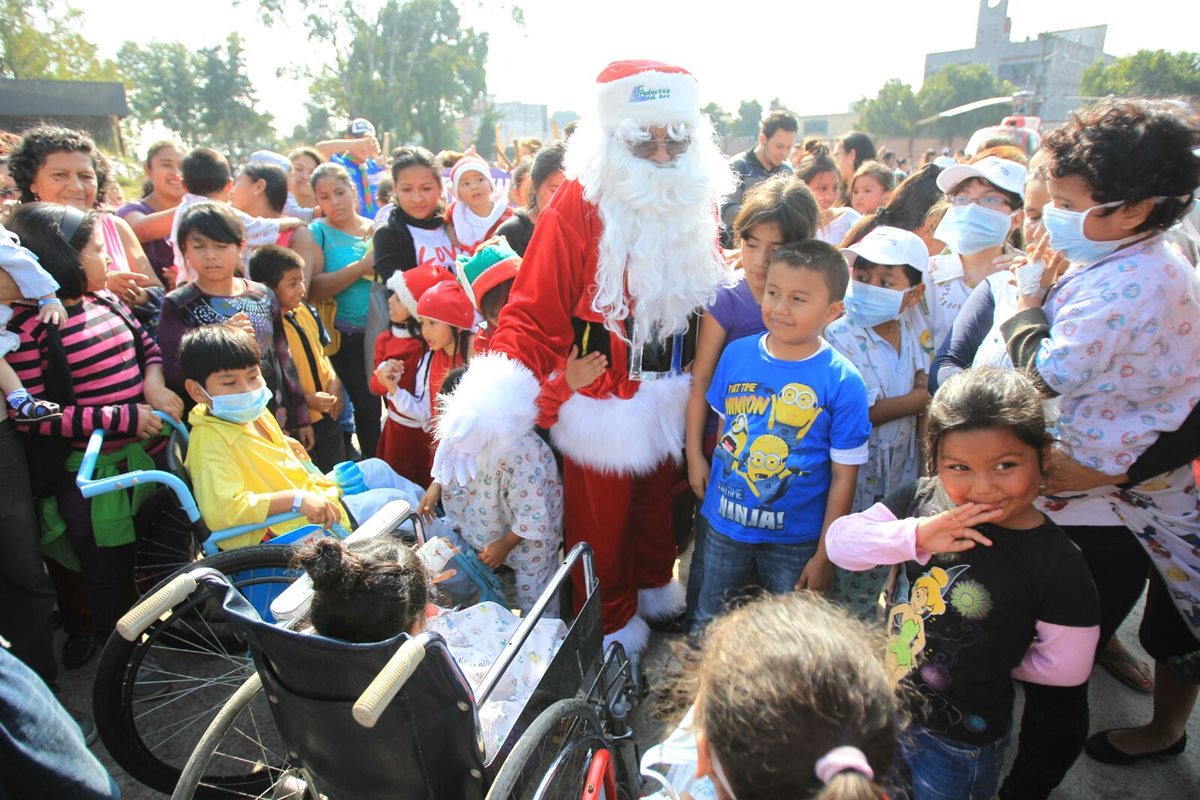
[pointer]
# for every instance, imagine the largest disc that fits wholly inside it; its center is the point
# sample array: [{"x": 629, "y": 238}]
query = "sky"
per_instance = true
[{"x": 816, "y": 62}]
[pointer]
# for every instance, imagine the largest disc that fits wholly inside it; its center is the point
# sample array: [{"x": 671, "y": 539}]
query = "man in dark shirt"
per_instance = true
[{"x": 768, "y": 157}]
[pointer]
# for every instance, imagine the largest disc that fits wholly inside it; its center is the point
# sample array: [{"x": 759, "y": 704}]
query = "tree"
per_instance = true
[
  {"x": 412, "y": 68},
  {"x": 485, "y": 137},
  {"x": 204, "y": 96},
  {"x": 228, "y": 119},
  {"x": 162, "y": 84},
  {"x": 957, "y": 85},
  {"x": 749, "y": 120},
  {"x": 1148, "y": 73},
  {"x": 42, "y": 39},
  {"x": 721, "y": 120}
]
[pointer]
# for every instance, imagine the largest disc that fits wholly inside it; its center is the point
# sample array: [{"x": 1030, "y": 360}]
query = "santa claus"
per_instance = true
[{"x": 620, "y": 262}]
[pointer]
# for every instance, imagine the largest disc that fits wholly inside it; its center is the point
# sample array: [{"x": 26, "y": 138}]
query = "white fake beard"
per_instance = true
[{"x": 660, "y": 227}]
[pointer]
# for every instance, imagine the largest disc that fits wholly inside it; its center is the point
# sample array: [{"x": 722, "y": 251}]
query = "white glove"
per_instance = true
[{"x": 457, "y": 453}]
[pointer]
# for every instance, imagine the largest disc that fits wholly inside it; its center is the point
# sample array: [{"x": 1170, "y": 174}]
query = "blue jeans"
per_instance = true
[
  {"x": 730, "y": 566},
  {"x": 41, "y": 747},
  {"x": 944, "y": 769}
]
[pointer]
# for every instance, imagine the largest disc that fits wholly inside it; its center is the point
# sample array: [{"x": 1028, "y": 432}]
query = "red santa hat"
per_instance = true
[
  {"x": 648, "y": 93},
  {"x": 469, "y": 164},
  {"x": 409, "y": 286},
  {"x": 446, "y": 302}
]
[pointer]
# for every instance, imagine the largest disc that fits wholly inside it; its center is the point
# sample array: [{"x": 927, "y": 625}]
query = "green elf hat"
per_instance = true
[{"x": 491, "y": 266}]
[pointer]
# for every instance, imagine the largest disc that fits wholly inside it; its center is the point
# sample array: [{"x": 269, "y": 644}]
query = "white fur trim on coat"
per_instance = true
[
  {"x": 649, "y": 98},
  {"x": 625, "y": 437},
  {"x": 494, "y": 406},
  {"x": 662, "y": 603},
  {"x": 633, "y": 637},
  {"x": 397, "y": 285}
]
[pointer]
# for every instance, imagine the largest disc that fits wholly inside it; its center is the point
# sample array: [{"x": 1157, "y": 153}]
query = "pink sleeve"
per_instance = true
[
  {"x": 1061, "y": 655},
  {"x": 873, "y": 537}
]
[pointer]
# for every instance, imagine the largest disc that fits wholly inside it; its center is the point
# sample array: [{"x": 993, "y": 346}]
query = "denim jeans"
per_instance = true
[
  {"x": 41, "y": 747},
  {"x": 730, "y": 566},
  {"x": 941, "y": 768}
]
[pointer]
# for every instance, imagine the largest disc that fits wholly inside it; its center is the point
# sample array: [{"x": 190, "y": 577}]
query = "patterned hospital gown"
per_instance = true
[
  {"x": 894, "y": 456},
  {"x": 946, "y": 289},
  {"x": 476, "y": 636},
  {"x": 523, "y": 495}
]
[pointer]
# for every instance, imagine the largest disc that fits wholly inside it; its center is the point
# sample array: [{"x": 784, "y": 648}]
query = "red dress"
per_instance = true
[{"x": 405, "y": 449}]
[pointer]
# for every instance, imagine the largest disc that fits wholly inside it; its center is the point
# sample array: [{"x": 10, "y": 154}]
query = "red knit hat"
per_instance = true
[
  {"x": 411, "y": 284},
  {"x": 648, "y": 93},
  {"x": 469, "y": 164},
  {"x": 446, "y": 302}
]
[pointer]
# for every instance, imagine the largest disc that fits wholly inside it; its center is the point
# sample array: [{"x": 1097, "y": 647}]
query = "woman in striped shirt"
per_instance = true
[{"x": 106, "y": 373}]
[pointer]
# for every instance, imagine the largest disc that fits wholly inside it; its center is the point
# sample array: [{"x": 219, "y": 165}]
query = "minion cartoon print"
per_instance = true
[
  {"x": 793, "y": 411},
  {"x": 732, "y": 445},
  {"x": 766, "y": 469}
]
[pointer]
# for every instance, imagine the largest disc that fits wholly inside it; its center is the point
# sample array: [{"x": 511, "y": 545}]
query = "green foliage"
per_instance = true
[
  {"x": 317, "y": 126},
  {"x": 721, "y": 118},
  {"x": 42, "y": 39},
  {"x": 955, "y": 86},
  {"x": 162, "y": 83},
  {"x": 749, "y": 119},
  {"x": 1147, "y": 73},
  {"x": 204, "y": 96},
  {"x": 485, "y": 137},
  {"x": 892, "y": 112},
  {"x": 411, "y": 69}
]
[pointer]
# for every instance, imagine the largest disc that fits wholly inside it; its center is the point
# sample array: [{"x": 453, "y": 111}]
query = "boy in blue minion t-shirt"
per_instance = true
[{"x": 794, "y": 430}]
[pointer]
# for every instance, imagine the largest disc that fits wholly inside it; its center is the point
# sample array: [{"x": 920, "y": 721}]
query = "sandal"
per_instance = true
[
  {"x": 32, "y": 409},
  {"x": 1128, "y": 670}
]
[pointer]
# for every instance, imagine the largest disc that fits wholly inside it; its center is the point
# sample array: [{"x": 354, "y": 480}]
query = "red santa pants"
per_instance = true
[{"x": 627, "y": 521}]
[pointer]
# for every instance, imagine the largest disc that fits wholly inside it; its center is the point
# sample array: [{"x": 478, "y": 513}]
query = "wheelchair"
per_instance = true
[
  {"x": 155, "y": 695},
  {"x": 322, "y": 718}
]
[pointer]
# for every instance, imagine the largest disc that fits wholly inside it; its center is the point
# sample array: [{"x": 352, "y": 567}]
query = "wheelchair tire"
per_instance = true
[
  {"x": 166, "y": 540},
  {"x": 150, "y": 715},
  {"x": 240, "y": 721},
  {"x": 555, "y": 758}
]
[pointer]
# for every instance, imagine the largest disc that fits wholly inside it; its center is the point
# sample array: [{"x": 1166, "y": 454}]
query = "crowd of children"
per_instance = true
[{"x": 899, "y": 371}]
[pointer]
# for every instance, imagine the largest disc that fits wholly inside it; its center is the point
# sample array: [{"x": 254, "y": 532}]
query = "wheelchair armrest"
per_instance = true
[{"x": 579, "y": 553}]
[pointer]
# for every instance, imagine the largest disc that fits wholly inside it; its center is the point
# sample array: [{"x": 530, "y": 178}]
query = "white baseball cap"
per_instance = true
[
  {"x": 271, "y": 157},
  {"x": 890, "y": 247},
  {"x": 1000, "y": 172},
  {"x": 360, "y": 127}
]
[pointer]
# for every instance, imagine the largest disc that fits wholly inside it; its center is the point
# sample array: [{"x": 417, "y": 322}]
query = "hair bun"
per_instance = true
[
  {"x": 330, "y": 566},
  {"x": 816, "y": 148},
  {"x": 882, "y": 216}
]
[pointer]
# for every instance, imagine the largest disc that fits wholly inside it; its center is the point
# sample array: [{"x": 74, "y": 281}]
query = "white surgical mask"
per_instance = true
[
  {"x": 239, "y": 408},
  {"x": 972, "y": 228},
  {"x": 868, "y": 305},
  {"x": 1067, "y": 236}
]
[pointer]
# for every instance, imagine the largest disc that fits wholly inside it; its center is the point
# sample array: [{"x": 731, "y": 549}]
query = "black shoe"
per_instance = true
[
  {"x": 1100, "y": 749},
  {"x": 79, "y": 649},
  {"x": 673, "y": 624}
]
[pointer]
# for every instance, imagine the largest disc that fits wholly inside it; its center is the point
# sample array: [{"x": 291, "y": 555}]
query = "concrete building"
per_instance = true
[
  {"x": 95, "y": 107},
  {"x": 1051, "y": 66}
]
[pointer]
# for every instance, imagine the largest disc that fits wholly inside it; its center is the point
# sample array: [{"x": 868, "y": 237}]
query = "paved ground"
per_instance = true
[{"x": 1112, "y": 705}]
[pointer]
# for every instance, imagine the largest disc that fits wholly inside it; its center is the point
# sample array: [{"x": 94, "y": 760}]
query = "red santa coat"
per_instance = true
[
  {"x": 405, "y": 448},
  {"x": 616, "y": 424}
]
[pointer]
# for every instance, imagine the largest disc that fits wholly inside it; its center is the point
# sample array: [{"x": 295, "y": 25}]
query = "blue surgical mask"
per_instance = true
[
  {"x": 972, "y": 228},
  {"x": 239, "y": 408},
  {"x": 868, "y": 305},
  {"x": 1067, "y": 236}
]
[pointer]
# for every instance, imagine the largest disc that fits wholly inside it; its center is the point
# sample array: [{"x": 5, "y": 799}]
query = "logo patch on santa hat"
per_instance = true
[{"x": 643, "y": 95}]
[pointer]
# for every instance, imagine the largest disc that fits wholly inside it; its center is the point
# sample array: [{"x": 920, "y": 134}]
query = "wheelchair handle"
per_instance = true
[
  {"x": 137, "y": 619},
  {"x": 390, "y": 680},
  {"x": 91, "y": 488},
  {"x": 580, "y": 552}
]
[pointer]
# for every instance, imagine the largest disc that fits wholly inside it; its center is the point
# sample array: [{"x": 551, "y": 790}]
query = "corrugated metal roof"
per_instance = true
[{"x": 32, "y": 98}]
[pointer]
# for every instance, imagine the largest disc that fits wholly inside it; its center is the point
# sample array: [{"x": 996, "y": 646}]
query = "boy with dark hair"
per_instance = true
[
  {"x": 794, "y": 431},
  {"x": 282, "y": 270},
  {"x": 243, "y": 468},
  {"x": 206, "y": 176}
]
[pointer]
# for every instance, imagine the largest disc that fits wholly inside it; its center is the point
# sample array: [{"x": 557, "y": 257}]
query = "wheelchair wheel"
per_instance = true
[
  {"x": 166, "y": 540},
  {"x": 243, "y": 733},
  {"x": 563, "y": 755},
  {"x": 153, "y": 698}
]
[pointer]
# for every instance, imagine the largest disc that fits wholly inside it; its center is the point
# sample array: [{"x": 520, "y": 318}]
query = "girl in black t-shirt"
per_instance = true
[{"x": 990, "y": 588}]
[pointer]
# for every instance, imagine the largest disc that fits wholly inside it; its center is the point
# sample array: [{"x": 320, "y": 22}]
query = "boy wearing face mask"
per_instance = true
[
  {"x": 985, "y": 207},
  {"x": 883, "y": 342},
  {"x": 243, "y": 468}
]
